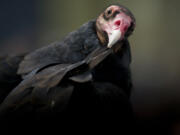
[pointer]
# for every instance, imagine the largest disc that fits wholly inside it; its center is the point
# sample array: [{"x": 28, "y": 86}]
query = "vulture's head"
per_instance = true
[{"x": 115, "y": 24}]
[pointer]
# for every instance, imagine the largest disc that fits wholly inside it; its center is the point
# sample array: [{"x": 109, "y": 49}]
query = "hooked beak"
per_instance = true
[{"x": 114, "y": 36}]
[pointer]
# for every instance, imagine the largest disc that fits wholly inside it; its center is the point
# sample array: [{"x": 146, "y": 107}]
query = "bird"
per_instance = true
[{"x": 88, "y": 72}]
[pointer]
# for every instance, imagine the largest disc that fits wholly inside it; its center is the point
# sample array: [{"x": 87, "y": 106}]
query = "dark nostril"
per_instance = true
[{"x": 118, "y": 23}]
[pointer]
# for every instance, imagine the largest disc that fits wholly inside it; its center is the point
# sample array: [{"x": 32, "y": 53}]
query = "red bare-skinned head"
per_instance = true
[{"x": 117, "y": 22}]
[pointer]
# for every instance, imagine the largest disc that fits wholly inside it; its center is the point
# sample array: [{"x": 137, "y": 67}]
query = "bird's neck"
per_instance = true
[{"x": 102, "y": 36}]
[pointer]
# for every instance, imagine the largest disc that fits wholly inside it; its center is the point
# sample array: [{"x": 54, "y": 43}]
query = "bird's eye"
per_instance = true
[{"x": 109, "y": 12}]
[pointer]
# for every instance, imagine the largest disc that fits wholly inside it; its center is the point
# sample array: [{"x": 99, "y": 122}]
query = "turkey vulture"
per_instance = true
[{"x": 87, "y": 72}]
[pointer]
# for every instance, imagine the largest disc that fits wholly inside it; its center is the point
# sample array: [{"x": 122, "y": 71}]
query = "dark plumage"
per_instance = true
[
  {"x": 8, "y": 74},
  {"x": 75, "y": 47},
  {"x": 78, "y": 75}
]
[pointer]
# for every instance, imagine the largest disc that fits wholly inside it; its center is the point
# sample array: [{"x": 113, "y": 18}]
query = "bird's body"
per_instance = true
[{"x": 78, "y": 75}]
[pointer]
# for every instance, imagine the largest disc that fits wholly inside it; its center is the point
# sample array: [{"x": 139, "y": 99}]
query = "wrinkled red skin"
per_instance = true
[{"x": 121, "y": 22}]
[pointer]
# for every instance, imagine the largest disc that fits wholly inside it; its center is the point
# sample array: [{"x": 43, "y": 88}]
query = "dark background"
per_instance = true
[{"x": 155, "y": 44}]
